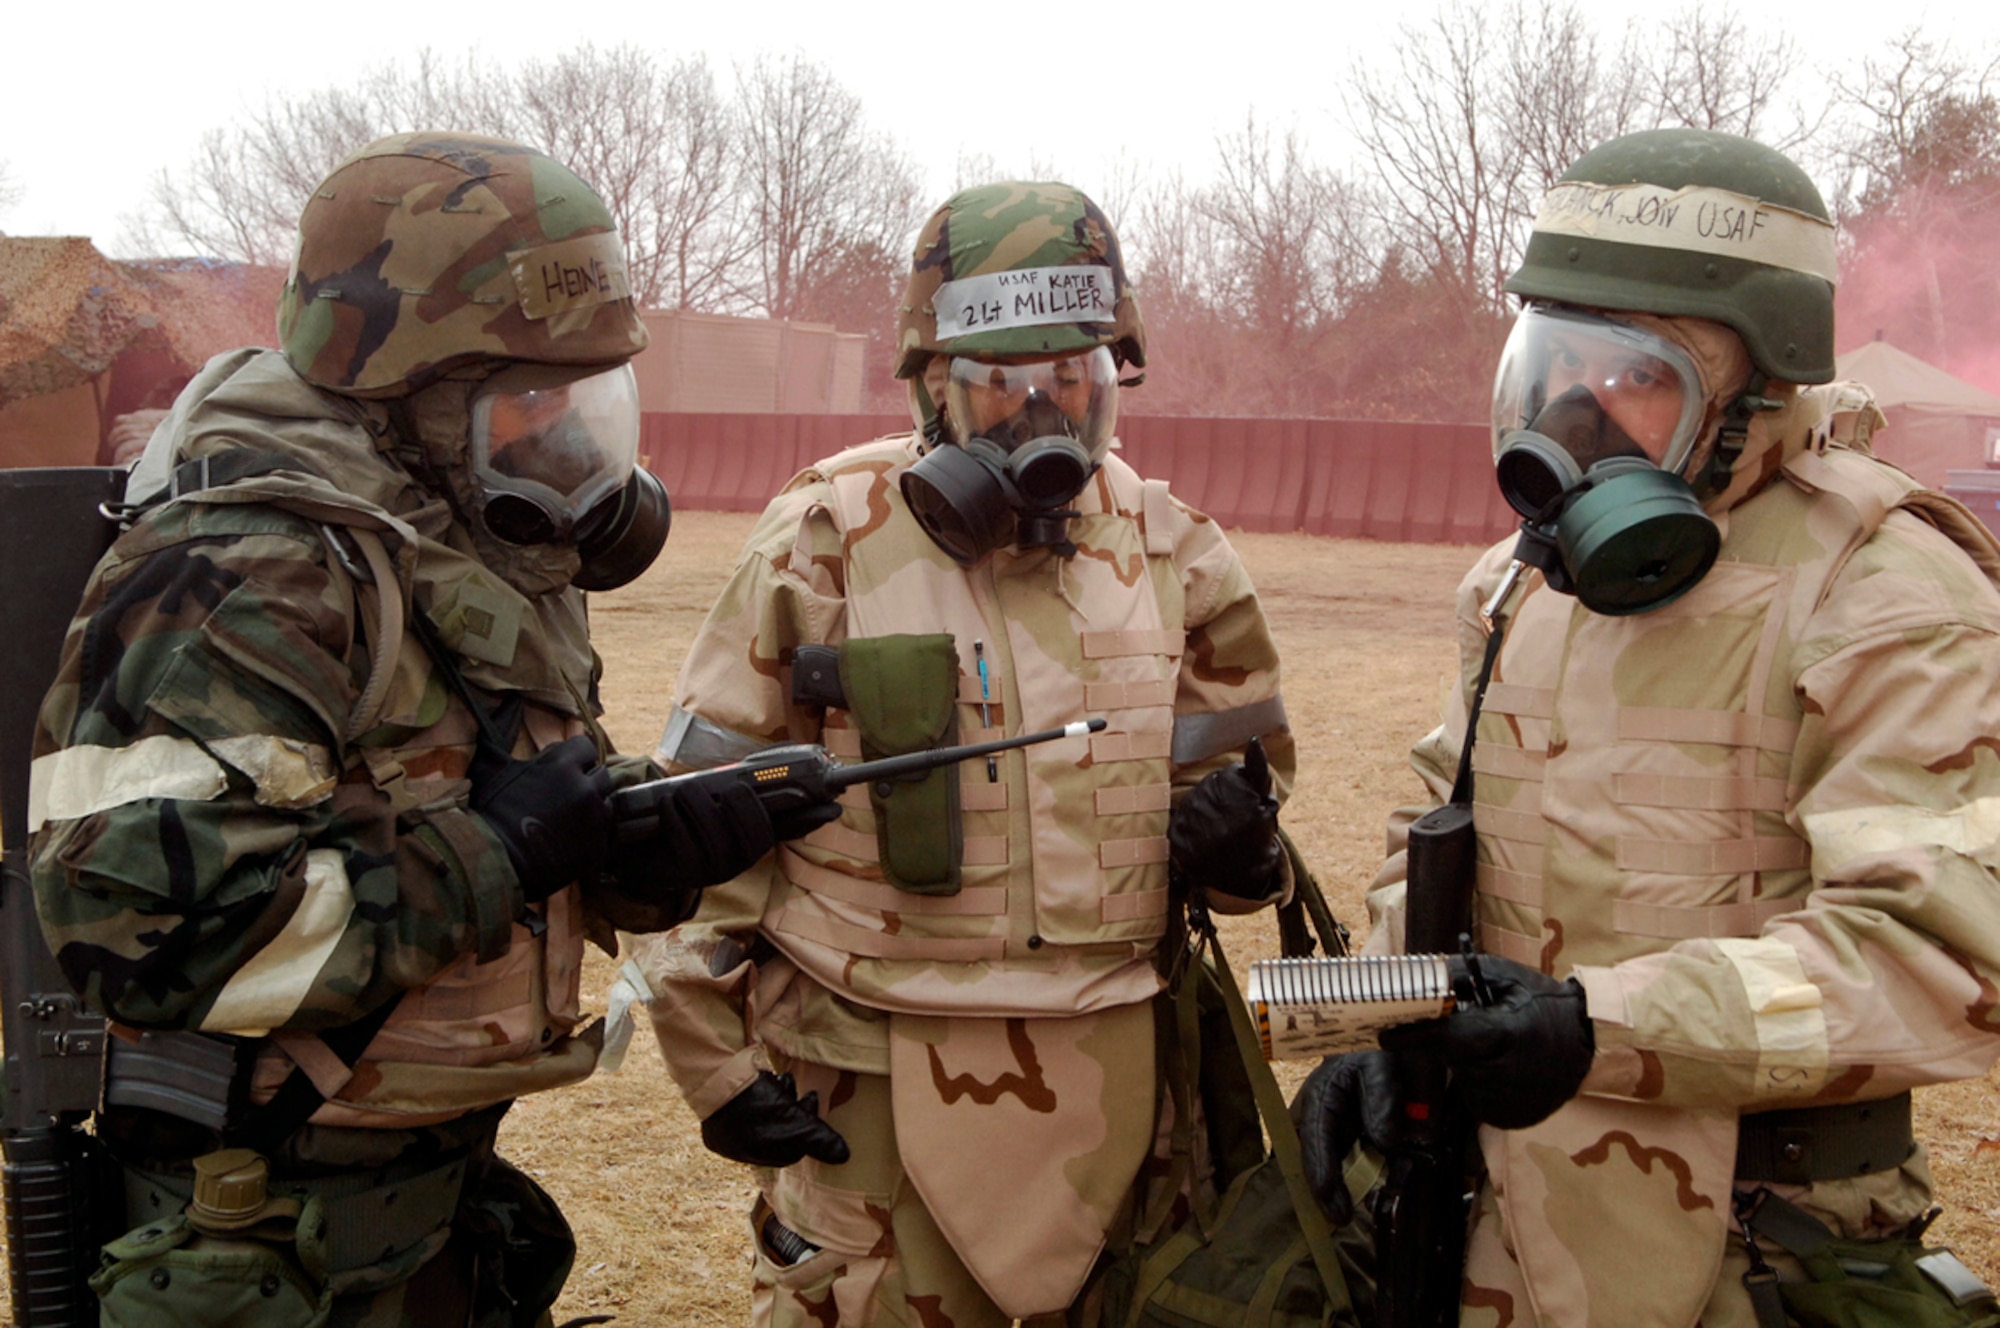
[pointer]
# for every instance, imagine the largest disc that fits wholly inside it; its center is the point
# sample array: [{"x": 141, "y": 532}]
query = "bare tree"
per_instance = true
[
  {"x": 1714, "y": 72},
  {"x": 821, "y": 189}
]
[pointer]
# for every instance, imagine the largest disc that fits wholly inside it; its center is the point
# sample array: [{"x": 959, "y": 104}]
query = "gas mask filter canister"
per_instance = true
[{"x": 1594, "y": 423}]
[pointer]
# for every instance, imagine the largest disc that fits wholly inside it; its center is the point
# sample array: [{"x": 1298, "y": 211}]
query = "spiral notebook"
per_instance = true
[{"x": 1308, "y": 1008}]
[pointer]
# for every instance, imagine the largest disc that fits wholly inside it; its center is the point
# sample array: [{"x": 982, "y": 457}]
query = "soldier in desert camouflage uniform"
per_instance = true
[
  {"x": 1737, "y": 850},
  {"x": 281, "y": 828},
  {"x": 960, "y": 975}
]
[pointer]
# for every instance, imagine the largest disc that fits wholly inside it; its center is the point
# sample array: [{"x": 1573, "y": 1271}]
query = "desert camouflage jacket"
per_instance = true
[
  {"x": 1761, "y": 826},
  {"x": 250, "y": 777},
  {"x": 1154, "y": 624}
]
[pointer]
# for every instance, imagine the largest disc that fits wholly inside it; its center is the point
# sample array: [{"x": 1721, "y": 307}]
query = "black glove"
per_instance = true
[
  {"x": 1346, "y": 1100},
  {"x": 707, "y": 833},
  {"x": 552, "y": 812},
  {"x": 769, "y": 1125},
  {"x": 1224, "y": 834},
  {"x": 1514, "y": 1061}
]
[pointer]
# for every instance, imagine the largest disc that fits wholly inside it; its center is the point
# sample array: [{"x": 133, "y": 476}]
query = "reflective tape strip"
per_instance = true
[
  {"x": 82, "y": 781},
  {"x": 1511, "y": 698},
  {"x": 1134, "y": 799},
  {"x": 1133, "y": 907},
  {"x": 1198, "y": 737},
  {"x": 868, "y": 943},
  {"x": 1728, "y": 857},
  {"x": 1697, "y": 219},
  {"x": 984, "y": 851},
  {"x": 1839, "y": 837},
  {"x": 1132, "y": 852},
  {"x": 1152, "y": 746},
  {"x": 1510, "y": 944},
  {"x": 973, "y": 901},
  {"x": 693, "y": 743},
  {"x": 1506, "y": 823},
  {"x": 1503, "y": 762},
  {"x": 1680, "y": 922},
  {"x": 977, "y": 794},
  {"x": 1111, "y": 645},
  {"x": 1699, "y": 792},
  {"x": 1792, "y": 1051},
  {"x": 289, "y": 774},
  {"x": 1127, "y": 695},
  {"x": 268, "y": 988},
  {"x": 1513, "y": 886},
  {"x": 1726, "y": 728}
]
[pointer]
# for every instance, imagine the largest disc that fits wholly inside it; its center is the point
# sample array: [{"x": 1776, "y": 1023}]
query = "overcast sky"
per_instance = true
[{"x": 97, "y": 98}]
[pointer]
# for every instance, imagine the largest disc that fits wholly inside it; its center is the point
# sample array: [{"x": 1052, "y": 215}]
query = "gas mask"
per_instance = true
[
  {"x": 1021, "y": 442},
  {"x": 555, "y": 463},
  {"x": 1595, "y": 424}
]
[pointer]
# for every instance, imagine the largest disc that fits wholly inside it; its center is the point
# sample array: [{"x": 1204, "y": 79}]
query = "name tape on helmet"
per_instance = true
[
  {"x": 1028, "y": 297},
  {"x": 570, "y": 274},
  {"x": 1696, "y": 219}
]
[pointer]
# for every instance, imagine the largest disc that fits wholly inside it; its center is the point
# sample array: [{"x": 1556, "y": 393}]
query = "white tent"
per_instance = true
[{"x": 1936, "y": 423}]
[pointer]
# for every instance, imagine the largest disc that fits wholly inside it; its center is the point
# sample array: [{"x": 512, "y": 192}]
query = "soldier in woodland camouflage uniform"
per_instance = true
[
  {"x": 320, "y": 787},
  {"x": 1736, "y": 850},
  {"x": 959, "y": 975}
]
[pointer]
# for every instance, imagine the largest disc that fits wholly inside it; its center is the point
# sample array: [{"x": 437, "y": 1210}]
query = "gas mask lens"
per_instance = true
[
  {"x": 544, "y": 454},
  {"x": 1016, "y": 407},
  {"x": 1597, "y": 388}
]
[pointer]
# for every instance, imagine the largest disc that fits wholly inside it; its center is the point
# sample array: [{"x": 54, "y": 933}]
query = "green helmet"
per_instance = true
[
  {"x": 1017, "y": 269},
  {"x": 1694, "y": 223},
  {"x": 424, "y": 252}
]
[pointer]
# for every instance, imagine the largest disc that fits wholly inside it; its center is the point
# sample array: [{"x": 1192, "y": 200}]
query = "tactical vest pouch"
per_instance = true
[
  {"x": 1859, "y": 1283},
  {"x": 902, "y": 692},
  {"x": 168, "y": 1275}
]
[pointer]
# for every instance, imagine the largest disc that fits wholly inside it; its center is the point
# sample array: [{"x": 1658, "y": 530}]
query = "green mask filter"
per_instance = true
[{"x": 1621, "y": 535}]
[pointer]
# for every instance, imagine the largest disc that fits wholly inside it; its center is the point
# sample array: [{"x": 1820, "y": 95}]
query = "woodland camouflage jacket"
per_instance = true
[{"x": 250, "y": 777}]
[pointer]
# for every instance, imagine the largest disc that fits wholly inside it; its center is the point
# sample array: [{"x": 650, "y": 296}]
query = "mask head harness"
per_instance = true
[
  {"x": 554, "y": 460},
  {"x": 1596, "y": 423},
  {"x": 1020, "y": 441}
]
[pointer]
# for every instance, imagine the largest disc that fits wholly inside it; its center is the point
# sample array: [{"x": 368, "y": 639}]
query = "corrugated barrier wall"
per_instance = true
[{"x": 1431, "y": 483}]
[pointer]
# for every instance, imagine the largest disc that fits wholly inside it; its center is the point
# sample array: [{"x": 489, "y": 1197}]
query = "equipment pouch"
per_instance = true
[
  {"x": 1857, "y": 1283},
  {"x": 902, "y": 692},
  {"x": 166, "y": 1274}
]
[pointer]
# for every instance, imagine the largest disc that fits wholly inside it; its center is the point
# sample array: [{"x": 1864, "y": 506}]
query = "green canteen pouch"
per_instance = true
[
  {"x": 1893, "y": 1280},
  {"x": 902, "y": 693},
  {"x": 166, "y": 1274}
]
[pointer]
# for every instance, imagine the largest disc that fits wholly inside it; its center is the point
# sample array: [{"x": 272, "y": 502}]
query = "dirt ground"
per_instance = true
[{"x": 1365, "y": 638}]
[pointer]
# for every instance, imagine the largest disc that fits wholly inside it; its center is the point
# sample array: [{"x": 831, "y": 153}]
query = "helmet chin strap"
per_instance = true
[{"x": 1731, "y": 435}]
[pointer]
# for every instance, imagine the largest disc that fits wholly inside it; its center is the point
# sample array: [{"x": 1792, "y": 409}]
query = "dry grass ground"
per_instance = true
[{"x": 1364, "y": 631}]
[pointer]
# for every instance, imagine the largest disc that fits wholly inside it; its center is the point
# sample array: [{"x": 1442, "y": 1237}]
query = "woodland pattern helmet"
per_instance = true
[
  {"x": 423, "y": 252},
  {"x": 1017, "y": 269},
  {"x": 1694, "y": 223}
]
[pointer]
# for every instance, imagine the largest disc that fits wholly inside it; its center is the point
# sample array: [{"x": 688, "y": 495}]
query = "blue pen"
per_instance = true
[{"x": 985, "y": 715}]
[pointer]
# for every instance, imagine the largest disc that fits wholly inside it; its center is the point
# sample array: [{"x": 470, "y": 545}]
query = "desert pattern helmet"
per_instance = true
[
  {"x": 423, "y": 252},
  {"x": 1017, "y": 268},
  {"x": 1694, "y": 223}
]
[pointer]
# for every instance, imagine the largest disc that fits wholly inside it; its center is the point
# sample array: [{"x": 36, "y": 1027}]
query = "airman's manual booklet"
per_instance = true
[{"x": 1308, "y": 1008}]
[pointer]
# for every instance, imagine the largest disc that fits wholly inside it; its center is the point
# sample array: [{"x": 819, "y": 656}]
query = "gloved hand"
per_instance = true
[
  {"x": 706, "y": 834},
  {"x": 1223, "y": 835},
  {"x": 1514, "y": 1061},
  {"x": 769, "y": 1125},
  {"x": 552, "y": 812},
  {"x": 1346, "y": 1100}
]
